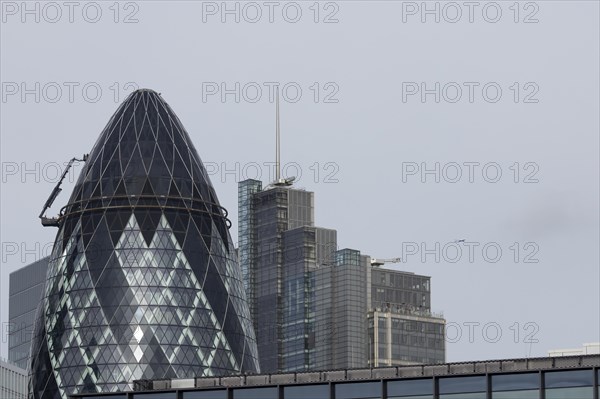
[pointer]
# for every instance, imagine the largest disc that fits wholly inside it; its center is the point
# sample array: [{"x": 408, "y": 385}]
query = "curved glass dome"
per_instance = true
[{"x": 143, "y": 281}]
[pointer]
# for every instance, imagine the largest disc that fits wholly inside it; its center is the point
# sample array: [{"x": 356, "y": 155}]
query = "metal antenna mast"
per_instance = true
[
  {"x": 277, "y": 140},
  {"x": 278, "y": 180}
]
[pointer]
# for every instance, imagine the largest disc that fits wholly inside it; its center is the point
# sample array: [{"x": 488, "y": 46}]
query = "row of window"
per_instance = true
[
  {"x": 401, "y": 280},
  {"x": 398, "y": 298},
  {"x": 575, "y": 384},
  {"x": 409, "y": 325}
]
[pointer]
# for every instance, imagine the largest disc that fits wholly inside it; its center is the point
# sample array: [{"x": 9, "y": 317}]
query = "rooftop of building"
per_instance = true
[
  {"x": 7, "y": 364},
  {"x": 482, "y": 367}
]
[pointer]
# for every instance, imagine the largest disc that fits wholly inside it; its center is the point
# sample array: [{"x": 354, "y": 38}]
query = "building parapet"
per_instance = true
[
  {"x": 409, "y": 311},
  {"x": 380, "y": 373}
]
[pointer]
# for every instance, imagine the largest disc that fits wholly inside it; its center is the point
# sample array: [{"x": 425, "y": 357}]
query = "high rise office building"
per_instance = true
[
  {"x": 402, "y": 328},
  {"x": 305, "y": 249},
  {"x": 340, "y": 301},
  {"x": 25, "y": 290},
  {"x": 143, "y": 280},
  {"x": 312, "y": 305},
  {"x": 275, "y": 260}
]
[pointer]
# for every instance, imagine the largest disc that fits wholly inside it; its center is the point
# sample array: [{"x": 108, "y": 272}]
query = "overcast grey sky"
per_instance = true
[{"x": 518, "y": 94}]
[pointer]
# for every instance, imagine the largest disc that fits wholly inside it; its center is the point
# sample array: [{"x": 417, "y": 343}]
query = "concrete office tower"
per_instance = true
[
  {"x": 402, "y": 328},
  {"x": 143, "y": 281},
  {"x": 13, "y": 381},
  {"x": 25, "y": 290}
]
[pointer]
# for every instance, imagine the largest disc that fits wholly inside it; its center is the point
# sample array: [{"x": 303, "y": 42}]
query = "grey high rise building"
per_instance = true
[
  {"x": 340, "y": 300},
  {"x": 304, "y": 250},
  {"x": 277, "y": 248},
  {"x": 312, "y": 305},
  {"x": 25, "y": 290},
  {"x": 402, "y": 328}
]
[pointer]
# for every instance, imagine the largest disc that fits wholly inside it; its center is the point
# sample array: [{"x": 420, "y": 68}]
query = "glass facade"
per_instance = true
[
  {"x": 25, "y": 290},
  {"x": 320, "y": 391},
  {"x": 246, "y": 236},
  {"x": 400, "y": 291},
  {"x": 339, "y": 311},
  {"x": 516, "y": 386},
  {"x": 569, "y": 384},
  {"x": 143, "y": 281},
  {"x": 298, "y": 256},
  {"x": 273, "y": 272},
  {"x": 411, "y": 389},
  {"x": 304, "y": 249},
  {"x": 472, "y": 387},
  {"x": 359, "y": 390}
]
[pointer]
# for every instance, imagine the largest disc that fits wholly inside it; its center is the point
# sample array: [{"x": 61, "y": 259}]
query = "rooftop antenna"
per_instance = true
[
  {"x": 277, "y": 139},
  {"x": 279, "y": 181}
]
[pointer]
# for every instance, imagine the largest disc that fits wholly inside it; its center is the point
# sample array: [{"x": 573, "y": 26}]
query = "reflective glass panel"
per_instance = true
[
  {"x": 157, "y": 395},
  {"x": 564, "y": 379},
  {"x": 255, "y": 393},
  {"x": 421, "y": 388},
  {"x": 320, "y": 391},
  {"x": 107, "y": 397},
  {"x": 462, "y": 384},
  {"x": 570, "y": 393},
  {"x": 212, "y": 394},
  {"x": 514, "y": 382},
  {"x": 358, "y": 390},
  {"x": 528, "y": 394},
  {"x": 463, "y": 387}
]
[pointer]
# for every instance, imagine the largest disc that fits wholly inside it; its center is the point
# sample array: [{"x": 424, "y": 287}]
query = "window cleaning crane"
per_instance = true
[
  {"x": 380, "y": 262},
  {"x": 55, "y": 221}
]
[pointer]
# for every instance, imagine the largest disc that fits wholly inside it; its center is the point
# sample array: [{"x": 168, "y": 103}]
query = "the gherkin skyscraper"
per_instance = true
[{"x": 143, "y": 281}]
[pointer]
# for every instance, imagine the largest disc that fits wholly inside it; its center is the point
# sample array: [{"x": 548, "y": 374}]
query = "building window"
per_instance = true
[
  {"x": 569, "y": 384},
  {"x": 517, "y": 386},
  {"x": 463, "y": 387},
  {"x": 361, "y": 390},
  {"x": 110, "y": 397},
  {"x": 422, "y": 389},
  {"x": 320, "y": 391},
  {"x": 255, "y": 393},
  {"x": 158, "y": 395},
  {"x": 211, "y": 394}
]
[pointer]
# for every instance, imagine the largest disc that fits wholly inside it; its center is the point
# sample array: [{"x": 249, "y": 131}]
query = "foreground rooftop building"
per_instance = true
[
  {"x": 587, "y": 349},
  {"x": 574, "y": 377},
  {"x": 143, "y": 280}
]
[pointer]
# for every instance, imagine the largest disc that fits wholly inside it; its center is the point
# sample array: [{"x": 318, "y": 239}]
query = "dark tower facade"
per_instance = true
[{"x": 143, "y": 281}]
